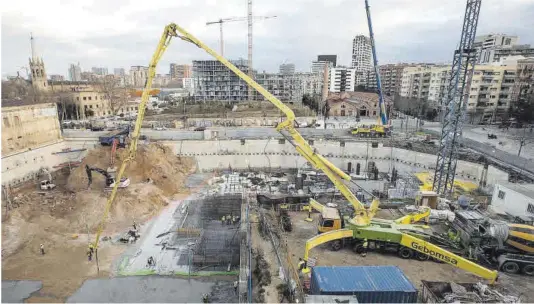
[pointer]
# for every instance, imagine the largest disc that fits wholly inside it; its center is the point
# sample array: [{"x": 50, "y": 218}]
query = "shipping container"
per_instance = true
[
  {"x": 370, "y": 284},
  {"x": 331, "y": 299}
]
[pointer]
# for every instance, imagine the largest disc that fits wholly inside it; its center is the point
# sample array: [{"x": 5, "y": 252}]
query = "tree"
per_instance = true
[
  {"x": 89, "y": 113},
  {"x": 116, "y": 95},
  {"x": 523, "y": 109}
]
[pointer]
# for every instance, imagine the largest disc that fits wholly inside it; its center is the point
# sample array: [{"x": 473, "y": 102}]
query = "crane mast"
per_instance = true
[
  {"x": 383, "y": 114},
  {"x": 454, "y": 103}
]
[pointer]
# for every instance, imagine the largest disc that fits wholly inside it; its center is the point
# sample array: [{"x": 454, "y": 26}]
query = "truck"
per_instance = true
[
  {"x": 371, "y": 131},
  {"x": 120, "y": 135},
  {"x": 97, "y": 125}
]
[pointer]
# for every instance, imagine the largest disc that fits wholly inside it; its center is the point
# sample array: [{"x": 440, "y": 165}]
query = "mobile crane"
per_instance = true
[
  {"x": 362, "y": 219},
  {"x": 383, "y": 129}
]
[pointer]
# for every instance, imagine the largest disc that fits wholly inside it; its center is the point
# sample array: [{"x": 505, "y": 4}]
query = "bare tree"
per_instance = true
[{"x": 113, "y": 92}]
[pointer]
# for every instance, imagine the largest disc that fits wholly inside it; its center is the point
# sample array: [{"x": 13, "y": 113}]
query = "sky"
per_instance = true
[{"x": 123, "y": 33}]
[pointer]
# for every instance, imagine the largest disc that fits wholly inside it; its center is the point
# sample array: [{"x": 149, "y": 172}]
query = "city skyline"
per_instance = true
[{"x": 405, "y": 31}]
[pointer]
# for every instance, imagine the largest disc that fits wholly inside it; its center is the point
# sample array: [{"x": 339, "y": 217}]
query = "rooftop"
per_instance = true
[
  {"x": 14, "y": 102},
  {"x": 525, "y": 189}
]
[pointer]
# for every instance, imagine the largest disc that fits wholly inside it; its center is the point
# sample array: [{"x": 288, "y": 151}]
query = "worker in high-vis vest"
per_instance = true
[{"x": 301, "y": 265}]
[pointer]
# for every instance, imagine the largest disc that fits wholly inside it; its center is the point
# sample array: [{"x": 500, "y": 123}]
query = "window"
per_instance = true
[
  {"x": 96, "y": 97},
  {"x": 310, "y": 142},
  {"x": 530, "y": 208},
  {"x": 282, "y": 141},
  {"x": 90, "y": 106},
  {"x": 328, "y": 223},
  {"x": 501, "y": 194},
  {"x": 85, "y": 98},
  {"x": 89, "y": 97},
  {"x": 77, "y": 98}
]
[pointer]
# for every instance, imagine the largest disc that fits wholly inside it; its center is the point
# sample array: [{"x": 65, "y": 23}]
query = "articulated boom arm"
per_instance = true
[
  {"x": 169, "y": 32},
  {"x": 362, "y": 215}
]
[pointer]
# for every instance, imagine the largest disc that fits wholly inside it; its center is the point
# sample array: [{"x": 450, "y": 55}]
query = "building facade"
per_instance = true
[
  {"x": 99, "y": 71},
  {"x": 37, "y": 70},
  {"x": 439, "y": 82},
  {"x": 498, "y": 53},
  {"x": 57, "y": 78},
  {"x": 491, "y": 91},
  {"x": 355, "y": 104},
  {"x": 289, "y": 87},
  {"x": 391, "y": 78},
  {"x": 484, "y": 44},
  {"x": 28, "y": 126},
  {"x": 214, "y": 81},
  {"x": 138, "y": 75},
  {"x": 524, "y": 85},
  {"x": 75, "y": 72},
  {"x": 415, "y": 82},
  {"x": 119, "y": 71},
  {"x": 287, "y": 68},
  {"x": 342, "y": 79},
  {"x": 179, "y": 71},
  {"x": 361, "y": 53},
  {"x": 317, "y": 67},
  {"x": 329, "y": 58}
]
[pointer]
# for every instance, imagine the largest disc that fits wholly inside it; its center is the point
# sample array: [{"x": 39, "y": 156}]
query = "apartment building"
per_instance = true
[
  {"x": 329, "y": 58},
  {"x": 289, "y": 88},
  {"x": 179, "y": 71},
  {"x": 497, "y": 54},
  {"x": 484, "y": 44},
  {"x": 138, "y": 75},
  {"x": 214, "y": 81},
  {"x": 490, "y": 92},
  {"x": 119, "y": 71},
  {"x": 287, "y": 68},
  {"x": 391, "y": 78},
  {"x": 341, "y": 79},
  {"x": 525, "y": 79},
  {"x": 415, "y": 82},
  {"x": 56, "y": 77},
  {"x": 75, "y": 72},
  {"x": 99, "y": 71},
  {"x": 317, "y": 67},
  {"x": 439, "y": 82}
]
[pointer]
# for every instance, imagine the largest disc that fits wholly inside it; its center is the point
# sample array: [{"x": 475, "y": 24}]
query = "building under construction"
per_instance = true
[{"x": 214, "y": 81}]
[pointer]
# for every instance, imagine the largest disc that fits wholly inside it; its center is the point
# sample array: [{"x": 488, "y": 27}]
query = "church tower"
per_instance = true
[{"x": 38, "y": 73}]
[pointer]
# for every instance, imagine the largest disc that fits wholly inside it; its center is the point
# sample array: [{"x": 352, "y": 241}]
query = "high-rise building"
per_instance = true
[
  {"x": 439, "y": 82},
  {"x": 342, "y": 79},
  {"x": 179, "y": 71},
  {"x": 415, "y": 81},
  {"x": 99, "y": 71},
  {"x": 119, "y": 71},
  {"x": 497, "y": 53},
  {"x": 361, "y": 53},
  {"x": 329, "y": 58},
  {"x": 138, "y": 75},
  {"x": 317, "y": 67},
  {"x": 75, "y": 72},
  {"x": 485, "y": 43},
  {"x": 287, "y": 68},
  {"x": 214, "y": 81}
]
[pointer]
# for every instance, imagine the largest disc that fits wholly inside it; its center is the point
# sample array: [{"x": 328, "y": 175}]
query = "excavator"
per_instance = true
[
  {"x": 360, "y": 224},
  {"x": 110, "y": 180}
]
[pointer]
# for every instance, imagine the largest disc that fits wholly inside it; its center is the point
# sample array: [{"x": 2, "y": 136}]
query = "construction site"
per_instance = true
[{"x": 277, "y": 213}]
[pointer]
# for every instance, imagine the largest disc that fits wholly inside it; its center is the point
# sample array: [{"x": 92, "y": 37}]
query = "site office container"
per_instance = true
[{"x": 370, "y": 284}]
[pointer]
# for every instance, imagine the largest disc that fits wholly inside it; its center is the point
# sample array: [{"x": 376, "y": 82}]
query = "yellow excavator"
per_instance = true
[{"x": 360, "y": 225}]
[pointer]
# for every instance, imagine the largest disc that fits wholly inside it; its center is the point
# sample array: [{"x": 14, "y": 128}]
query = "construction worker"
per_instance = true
[
  {"x": 228, "y": 219},
  {"x": 205, "y": 298},
  {"x": 301, "y": 265},
  {"x": 365, "y": 245},
  {"x": 223, "y": 219},
  {"x": 89, "y": 255},
  {"x": 42, "y": 249},
  {"x": 236, "y": 284},
  {"x": 234, "y": 219},
  {"x": 134, "y": 226}
]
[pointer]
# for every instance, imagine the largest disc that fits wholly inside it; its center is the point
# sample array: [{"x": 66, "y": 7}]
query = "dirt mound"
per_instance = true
[{"x": 153, "y": 161}]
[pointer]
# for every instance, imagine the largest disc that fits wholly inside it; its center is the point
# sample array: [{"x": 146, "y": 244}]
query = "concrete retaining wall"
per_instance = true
[{"x": 222, "y": 154}]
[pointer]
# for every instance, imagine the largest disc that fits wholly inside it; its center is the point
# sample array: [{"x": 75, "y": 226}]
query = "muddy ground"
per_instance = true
[{"x": 65, "y": 220}]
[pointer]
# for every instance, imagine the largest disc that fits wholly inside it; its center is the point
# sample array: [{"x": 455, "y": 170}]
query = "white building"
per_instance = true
[
  {"x": 75, "y": 72},
  {"x": 361, "y": 53},
  {"x": 439, "y": 81},
  {"x": 138, "y": 75},
  {"x": 287, "y": 68},
  {"x": 317, "y": 67},
  {"x": 188, "y": 84},
  {"x": 342, "y": 79},
  {"x": 486, "y": 44},
  {"x": 514, "y": 199}
]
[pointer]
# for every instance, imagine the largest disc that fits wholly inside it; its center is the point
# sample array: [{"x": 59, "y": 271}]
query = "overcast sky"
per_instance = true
[{"x": 122, "y": 33}]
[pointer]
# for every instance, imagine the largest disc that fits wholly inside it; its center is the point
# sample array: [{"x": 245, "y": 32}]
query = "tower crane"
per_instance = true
[
  {"x": 233, "y": 19},
  {"x": 454, "y": 103}
]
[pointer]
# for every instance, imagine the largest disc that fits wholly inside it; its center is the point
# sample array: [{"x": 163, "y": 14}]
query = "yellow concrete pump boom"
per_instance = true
[{"x": 362, "y": 215}]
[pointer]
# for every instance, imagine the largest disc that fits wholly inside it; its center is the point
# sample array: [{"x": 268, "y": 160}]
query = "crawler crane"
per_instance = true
[{"x": 360, "y": 223}]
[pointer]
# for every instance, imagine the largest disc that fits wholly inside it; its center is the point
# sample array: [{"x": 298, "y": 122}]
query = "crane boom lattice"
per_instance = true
[{"x": 454, "y": 103}]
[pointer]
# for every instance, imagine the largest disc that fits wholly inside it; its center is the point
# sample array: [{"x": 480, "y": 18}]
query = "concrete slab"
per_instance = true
[
  {"x": 153, "y": 289},
  {"x": 18, "y": 291}
]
